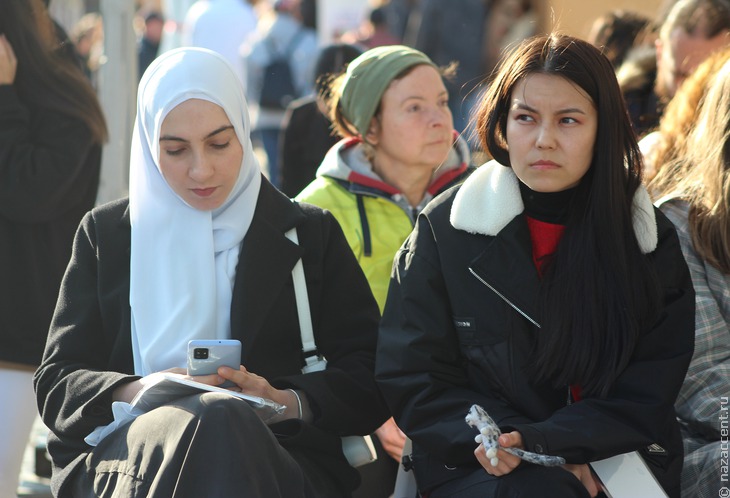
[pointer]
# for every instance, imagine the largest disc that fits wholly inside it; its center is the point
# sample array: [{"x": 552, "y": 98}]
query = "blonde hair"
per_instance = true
[
  {"x": 679, "y": 117},
  {"x": 701, "y": 175}
]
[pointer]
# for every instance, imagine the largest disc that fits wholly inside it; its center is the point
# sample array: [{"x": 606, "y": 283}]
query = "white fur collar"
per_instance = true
[{"x": 490, "y": 198}]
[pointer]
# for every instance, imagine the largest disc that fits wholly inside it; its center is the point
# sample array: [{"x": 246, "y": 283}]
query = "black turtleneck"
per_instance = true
[{"x": 550, "y": 207}]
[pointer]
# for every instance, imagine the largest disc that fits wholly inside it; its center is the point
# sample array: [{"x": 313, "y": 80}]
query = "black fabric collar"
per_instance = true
[{"x": 550, "y": 207}]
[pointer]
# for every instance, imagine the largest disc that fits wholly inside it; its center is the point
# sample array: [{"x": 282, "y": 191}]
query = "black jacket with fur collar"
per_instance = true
[{"x": 460, "y": 322}]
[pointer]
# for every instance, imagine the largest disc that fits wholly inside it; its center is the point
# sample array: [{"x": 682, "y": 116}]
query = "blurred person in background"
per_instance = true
[
  {"x": 283, "y": 34},
  {"x": 509, "y": 22},
  {"x": 691, "y": 31},
  {"x": 149, "y": 41},
  {"x": 307, "y": 133},
  {"x": 373, "y": 31},
  {"x": 51, "y": 134},
  {"x": 616, "y": 33},
  {"x": 664, "y": 146},
  {"x": 455, "y": 30},
  {"x": 221, "y": 26},
  {"x": 87, "y": 37}
]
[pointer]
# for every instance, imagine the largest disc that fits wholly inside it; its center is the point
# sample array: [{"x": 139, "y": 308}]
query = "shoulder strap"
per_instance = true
[
  {"x": 271, "y": 49},
  {"x": 358, "y": 450},
  {"x": 312, "y": 358},
  {"x": 293, "y": 42}
]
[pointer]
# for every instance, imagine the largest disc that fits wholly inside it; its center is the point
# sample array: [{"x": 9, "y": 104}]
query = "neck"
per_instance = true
[
  {"x": 550, "y": 207},
  {"x": 411, "y": 180}
]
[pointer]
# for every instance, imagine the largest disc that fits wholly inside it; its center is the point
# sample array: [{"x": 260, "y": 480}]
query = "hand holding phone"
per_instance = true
[{"x": 206, "y": 355}]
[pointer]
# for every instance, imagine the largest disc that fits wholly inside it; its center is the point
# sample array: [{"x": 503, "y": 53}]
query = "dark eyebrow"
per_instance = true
[
  {"x": 212, "y": 133},
  {"x": 568, "y": 110}
]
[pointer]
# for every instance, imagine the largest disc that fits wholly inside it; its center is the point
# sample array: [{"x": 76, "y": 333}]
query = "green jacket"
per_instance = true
[{"x": 374, "y": 216}]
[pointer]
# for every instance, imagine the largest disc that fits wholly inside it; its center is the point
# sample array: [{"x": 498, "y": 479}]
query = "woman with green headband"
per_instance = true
[{"x": 399, "y": 150}]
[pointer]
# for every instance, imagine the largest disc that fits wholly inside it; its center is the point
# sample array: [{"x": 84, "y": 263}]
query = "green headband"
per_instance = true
[{"x": 367, "y": 78}]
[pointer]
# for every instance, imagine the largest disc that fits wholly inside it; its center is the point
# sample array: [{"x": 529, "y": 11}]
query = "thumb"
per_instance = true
[{"x": 505, "y": 441}]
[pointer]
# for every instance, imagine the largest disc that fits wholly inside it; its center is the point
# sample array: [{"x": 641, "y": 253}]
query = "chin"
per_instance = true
[
  {"x": 545, "y": 187},
  {"x": 204, "y": 206}
]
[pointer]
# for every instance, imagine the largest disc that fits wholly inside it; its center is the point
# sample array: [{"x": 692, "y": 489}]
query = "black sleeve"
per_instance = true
[
  {"x": 74, "y": 384},
  {"x": 42, "y": 160}
]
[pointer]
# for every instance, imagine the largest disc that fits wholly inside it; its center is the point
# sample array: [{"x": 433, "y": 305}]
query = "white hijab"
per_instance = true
[{"x": 183, "y": 260}]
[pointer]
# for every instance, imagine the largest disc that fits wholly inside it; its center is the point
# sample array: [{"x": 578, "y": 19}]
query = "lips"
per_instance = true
[
  {"x": 204, "y": 192},
  {"x": 544, "y": 164}
]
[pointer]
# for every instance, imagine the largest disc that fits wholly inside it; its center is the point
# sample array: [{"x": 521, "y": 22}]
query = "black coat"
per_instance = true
[
  {"x": 49, "y": 175},
  {"x": 305, "y": 140},
  {"x": 89, "y": 351},
  {"x": 447, "y": 341}
]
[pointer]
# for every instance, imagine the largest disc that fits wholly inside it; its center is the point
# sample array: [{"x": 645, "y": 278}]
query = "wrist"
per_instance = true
[
  {"x": 127, "y": 391},
  {"x": 296, "y": 408}
]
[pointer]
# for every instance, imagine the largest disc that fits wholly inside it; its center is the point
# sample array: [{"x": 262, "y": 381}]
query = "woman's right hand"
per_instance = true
[
  {"x": 585, "y": 476},
  {"x": 8, "y": 62},
  {"x": 507, "y": 461}
]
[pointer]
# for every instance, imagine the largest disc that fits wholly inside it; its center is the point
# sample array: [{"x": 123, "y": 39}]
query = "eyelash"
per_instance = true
[
  {"x": 177, "y": 152},
  {"x": 418, "y": 107},
  {"x": 527, "y": 117}
]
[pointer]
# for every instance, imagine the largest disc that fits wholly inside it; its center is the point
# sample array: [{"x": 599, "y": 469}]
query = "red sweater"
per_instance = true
[{"x": 545, "y": 237}]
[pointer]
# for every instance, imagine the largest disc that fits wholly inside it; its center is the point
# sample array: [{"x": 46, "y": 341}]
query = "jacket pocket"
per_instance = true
[{"x": 486, "y": 357}]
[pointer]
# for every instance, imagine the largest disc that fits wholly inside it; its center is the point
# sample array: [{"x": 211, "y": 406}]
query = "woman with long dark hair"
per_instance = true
[
  {"x": 546, "y": 289},
  {"x": 51, "y": 133}
]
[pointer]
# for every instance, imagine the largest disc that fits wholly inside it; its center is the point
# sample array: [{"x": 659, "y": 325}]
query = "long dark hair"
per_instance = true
[
  {"x": 47, "y": 77},
  {"x": 599, "y": 291}
]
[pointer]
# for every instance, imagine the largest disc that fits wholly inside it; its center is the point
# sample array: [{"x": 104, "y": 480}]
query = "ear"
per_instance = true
[
  {"x": 373, "y": 135},
  {"x": 658, "y": 46}
]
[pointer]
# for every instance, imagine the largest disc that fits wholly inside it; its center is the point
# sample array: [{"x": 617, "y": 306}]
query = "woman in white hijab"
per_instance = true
[{"x": 200, "y": 251}]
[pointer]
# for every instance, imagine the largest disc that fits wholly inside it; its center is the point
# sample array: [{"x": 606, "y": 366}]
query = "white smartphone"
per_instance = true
[{"x": 206, "y": 355}]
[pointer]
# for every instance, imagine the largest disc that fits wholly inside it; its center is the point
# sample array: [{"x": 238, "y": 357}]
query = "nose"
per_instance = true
[
  {"x": 545, "y": 137},
  {"x": 441, "y": 116},
  {"x": 201, "y": 168}
]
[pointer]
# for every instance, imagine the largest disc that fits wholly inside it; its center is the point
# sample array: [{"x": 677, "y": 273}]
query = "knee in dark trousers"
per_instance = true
[
  {"x": 238, "y": 450},
  {"x": 201, "y": 445}
]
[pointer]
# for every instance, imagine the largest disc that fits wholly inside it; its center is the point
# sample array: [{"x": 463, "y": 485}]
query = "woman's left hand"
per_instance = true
[
  {"x": 586, "y": 477},
  {"x": 255, "y": 385}
]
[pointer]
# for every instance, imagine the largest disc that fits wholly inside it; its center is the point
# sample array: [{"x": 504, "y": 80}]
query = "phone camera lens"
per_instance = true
[{"x": 200, "y": 353}]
